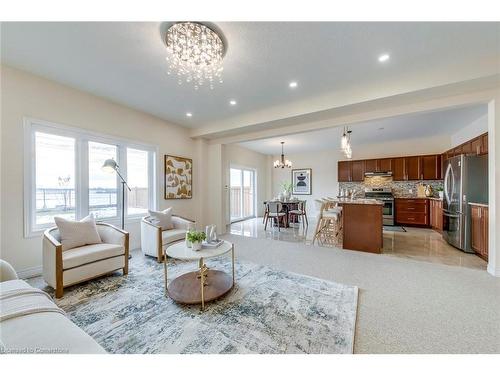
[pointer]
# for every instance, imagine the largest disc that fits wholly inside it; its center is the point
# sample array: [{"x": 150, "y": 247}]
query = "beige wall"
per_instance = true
[{"x": 24, "y": 94}]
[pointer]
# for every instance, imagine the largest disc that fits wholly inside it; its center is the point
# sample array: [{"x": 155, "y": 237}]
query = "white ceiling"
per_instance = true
[
  {"x": 407, "y": 128},
  {"x": 125, "y": 61}
]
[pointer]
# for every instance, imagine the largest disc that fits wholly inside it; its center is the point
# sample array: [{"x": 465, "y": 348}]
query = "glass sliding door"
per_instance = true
[{"x": 242, "y": 194}]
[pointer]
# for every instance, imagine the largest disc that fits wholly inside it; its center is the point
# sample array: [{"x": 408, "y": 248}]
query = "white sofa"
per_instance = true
[
  {"x": 154, "y": 239},
  {"x": 32, "y": 327},
  {"x": 64, "y": 268}
]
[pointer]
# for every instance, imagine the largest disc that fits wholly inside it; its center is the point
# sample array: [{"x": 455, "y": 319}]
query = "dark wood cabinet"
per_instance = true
[
  {"x": 344, "y": 171},
  {"x": 436, "y": 214},
  {"x": 412, "y": 168},
  {"x": 475, "y": 146},
  {"x": 357, "y": 170},
  {"x": 384, "y": 165},
  {"x": 371, "y": 165},
  {"x": 431, "y": 167},
  {"x": 484, "y": 144},
  {"x": 479, "y": 230},
  {"x": 411, "y": 211},
  {"x": 398, "y": 169}
]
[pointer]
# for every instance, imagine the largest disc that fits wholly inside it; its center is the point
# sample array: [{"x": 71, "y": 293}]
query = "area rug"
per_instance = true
[{"x": 268, "y": 311}]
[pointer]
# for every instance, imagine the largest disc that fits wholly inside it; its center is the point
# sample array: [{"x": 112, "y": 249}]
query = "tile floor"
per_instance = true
[{"x": 416, "y": 243}]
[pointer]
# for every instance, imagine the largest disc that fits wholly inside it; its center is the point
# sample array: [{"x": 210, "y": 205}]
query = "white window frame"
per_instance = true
[
  {"x": 243, "y": 168},
  {"x": 82, "y": 137}
]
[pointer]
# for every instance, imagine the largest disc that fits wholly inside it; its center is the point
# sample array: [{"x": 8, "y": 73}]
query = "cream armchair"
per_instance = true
[
  {"x": 64, "y": 268},
  {"x": 154, "y": 239}
]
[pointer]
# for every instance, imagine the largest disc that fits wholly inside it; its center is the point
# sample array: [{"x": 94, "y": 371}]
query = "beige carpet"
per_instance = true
[{"x": 404, "y": 306}]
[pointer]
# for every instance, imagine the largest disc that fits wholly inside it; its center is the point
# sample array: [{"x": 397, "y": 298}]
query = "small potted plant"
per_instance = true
[
  {"x": 286, "y": 187},
  {"x": 440, "y": 192},
  {"x": 196, "y": 238}
]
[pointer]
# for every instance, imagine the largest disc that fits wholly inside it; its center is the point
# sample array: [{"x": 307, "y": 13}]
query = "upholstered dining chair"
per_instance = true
[
  {"x": 62, "y": 268},
  {"x": 300, "y": 212},
  {"x": 274, "y": 211}
]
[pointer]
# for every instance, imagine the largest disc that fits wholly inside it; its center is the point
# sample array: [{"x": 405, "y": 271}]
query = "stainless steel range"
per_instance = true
[{"x": 385, "y": 195}]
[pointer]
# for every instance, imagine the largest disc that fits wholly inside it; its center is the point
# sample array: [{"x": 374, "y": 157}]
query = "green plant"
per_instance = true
[
  {"x": 439, "y": 188},
  {"x": 194, "y": 236},
  {"x": 286, "y": 186}
]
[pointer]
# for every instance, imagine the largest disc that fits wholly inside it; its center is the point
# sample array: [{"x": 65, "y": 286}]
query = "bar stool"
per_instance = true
[{"x": 329, "y": 225}]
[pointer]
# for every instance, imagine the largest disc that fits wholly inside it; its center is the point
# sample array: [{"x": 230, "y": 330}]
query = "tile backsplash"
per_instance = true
[{"x": 400, "y": 189}]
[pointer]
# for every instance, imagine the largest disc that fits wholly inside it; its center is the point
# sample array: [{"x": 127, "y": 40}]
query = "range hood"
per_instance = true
[{"x": 381, "y": 174}]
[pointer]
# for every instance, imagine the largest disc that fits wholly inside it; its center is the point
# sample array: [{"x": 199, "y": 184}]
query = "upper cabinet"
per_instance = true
[
  {"x": 431, "y": 167},
  {"x": 398, "y": 169},
  {"x": 371, "y": 165},
  {"x": 357, "y": 170},
  {"x": 484, "y": 144},
  {"x": 412, "y": 168},
  {"x": 476, "y": 146},
  {"x": 344, "y": 171},
  {"x": 384, "y": 165}
]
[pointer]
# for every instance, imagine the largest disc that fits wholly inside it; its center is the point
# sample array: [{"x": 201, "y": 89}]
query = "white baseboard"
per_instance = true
[
  {"x": 29, "y": 272},
  {"x": 493, "y": 271}
]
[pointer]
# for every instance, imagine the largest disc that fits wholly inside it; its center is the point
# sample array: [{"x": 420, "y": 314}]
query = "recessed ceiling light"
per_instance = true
[
  {"x": 293, "y": 84},
  {"x": 232, "y": 102},
  {"x": 189, "y": 114},
  {"x": 384, "y": 57}
]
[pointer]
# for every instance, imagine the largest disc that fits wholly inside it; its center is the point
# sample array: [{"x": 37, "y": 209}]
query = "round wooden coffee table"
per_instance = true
[{"x": 203, "y": 285}]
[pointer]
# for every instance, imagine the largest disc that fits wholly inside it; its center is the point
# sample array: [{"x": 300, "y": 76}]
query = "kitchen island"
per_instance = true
[{"x": 362, "y": 224}]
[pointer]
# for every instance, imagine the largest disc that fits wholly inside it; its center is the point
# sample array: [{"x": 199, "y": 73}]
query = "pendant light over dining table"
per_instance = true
[{"x": 282, "y": 162}]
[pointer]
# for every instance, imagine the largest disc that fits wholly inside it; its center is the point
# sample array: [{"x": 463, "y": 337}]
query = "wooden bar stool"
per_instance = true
[{"x": 329, "y": 225}]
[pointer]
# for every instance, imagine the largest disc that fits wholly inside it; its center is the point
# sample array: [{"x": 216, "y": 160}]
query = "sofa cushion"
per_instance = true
[
  {"x": 172, "y": 235},
  {"x": 77, "y": 233},
  {"x": 90, "y": 253},
  {"x": 162, "y": 218}
]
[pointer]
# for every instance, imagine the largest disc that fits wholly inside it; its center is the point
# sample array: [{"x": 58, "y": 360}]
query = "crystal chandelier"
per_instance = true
[
  {"x": 282, "y": 163},
  {"x": 345, "y": 143},
  {"x": 196, "y": 53}
]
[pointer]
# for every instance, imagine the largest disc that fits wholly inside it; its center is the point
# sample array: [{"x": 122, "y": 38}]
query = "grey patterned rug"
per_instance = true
[{"x": 268, "y": 311}]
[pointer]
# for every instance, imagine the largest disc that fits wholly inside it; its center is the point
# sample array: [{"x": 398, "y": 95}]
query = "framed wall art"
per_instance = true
[
  {"x": 178, "y": 177},
  {"x": 302, "y": 181}
]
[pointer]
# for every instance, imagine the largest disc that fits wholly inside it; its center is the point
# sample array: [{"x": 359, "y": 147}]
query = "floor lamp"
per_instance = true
[{"x": 111, "y": 166}]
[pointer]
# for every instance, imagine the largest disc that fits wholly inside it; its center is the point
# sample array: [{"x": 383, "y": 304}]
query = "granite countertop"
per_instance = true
[
  {"x": 358, "y": 201},
  {"x": 433, "y": 198},
  {"x": 478, "y": 204}
]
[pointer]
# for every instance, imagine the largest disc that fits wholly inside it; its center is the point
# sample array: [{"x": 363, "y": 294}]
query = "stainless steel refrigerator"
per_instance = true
[{"x": 465, "y": 180}]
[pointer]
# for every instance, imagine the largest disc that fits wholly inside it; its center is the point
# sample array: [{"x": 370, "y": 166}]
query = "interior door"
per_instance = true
[{"x": 242, "y": 194}]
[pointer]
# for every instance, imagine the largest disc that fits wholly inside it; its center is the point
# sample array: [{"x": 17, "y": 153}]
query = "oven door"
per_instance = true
[{"x": 388, "y": 212}]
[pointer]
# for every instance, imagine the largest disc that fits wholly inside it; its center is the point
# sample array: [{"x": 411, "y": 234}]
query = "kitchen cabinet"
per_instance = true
[
  {"x": 412, "y": 211},
  {"x": 436, "y": 214},
  {"x": 431, "y": 167},
  {"x": 479, "y": 230},
  {"x": 412, "y": 168},
  {"x": 357, "y": 170},
  {"x": 384, "y": 165},
  {"x": 484, "y": 144},
  {"x": 475, "y": 146},
  {"x": 344, "y": 171},
  {"x": 371, "y": 165},
  {"x": 398, "y": 170}
]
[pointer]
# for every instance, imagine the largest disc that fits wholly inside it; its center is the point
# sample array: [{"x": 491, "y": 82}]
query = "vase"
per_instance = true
[
  {"x": 440, "y": 193},
  {"x": 196, "y": 246},
  {"x": 188, "y": 243},
  {"x": 428, "y": 191}
]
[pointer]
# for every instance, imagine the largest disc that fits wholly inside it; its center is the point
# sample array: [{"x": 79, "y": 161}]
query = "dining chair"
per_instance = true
[
  {"x": 274, "y": 211},
  {"x": 265, "y": 213},
  {"x": 300, "y": 212}
]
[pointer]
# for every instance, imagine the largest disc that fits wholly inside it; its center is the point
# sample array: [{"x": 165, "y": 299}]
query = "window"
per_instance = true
[
  {"x": 103, "y": 190},
  {"x": 55, "y": 177},
  {"x": 64, "y": 177}
]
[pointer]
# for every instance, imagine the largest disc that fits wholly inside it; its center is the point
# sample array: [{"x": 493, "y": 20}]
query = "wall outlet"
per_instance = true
[{"x": 410, "y": 191}]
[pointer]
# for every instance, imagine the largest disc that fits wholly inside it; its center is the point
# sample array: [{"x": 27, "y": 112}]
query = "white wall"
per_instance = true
[
  {"x": 475, "y": 128},
  {"x": 235, "y": 155},
  {"x": 24, "y": 94}
]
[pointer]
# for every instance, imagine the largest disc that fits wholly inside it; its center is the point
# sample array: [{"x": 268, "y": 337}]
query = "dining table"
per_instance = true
[{"x": 287, "y": 206}]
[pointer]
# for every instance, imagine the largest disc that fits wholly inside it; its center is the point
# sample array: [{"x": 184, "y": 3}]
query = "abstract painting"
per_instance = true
[
  {"x": 178, "y": 177},
  {"x": 301, "y": 181}
]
